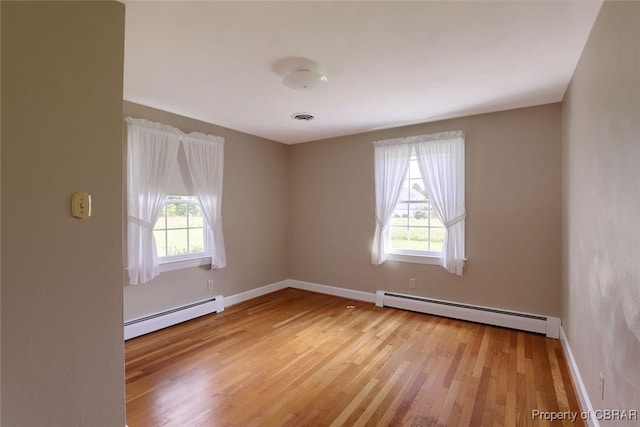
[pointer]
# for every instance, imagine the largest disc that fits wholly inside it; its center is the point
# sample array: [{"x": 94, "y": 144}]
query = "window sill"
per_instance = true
[
  {"x": 414, "y": 258},
  {"x": 185, "y": 263}
]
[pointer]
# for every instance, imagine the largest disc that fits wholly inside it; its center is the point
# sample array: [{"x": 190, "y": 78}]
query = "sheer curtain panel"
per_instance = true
[
  {"x": 391, "y": 159},
  {"x": 152, "y": 149},
  {"x": 441, "y": 162},
  {"x": 205, "y": 157}
]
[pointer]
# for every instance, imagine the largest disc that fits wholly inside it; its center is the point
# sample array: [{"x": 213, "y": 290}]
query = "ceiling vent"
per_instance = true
[{"x": 303, "y": 117}]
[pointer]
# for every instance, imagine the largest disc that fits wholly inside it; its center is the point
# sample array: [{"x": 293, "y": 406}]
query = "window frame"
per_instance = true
[{"x": 188, "y": 260}]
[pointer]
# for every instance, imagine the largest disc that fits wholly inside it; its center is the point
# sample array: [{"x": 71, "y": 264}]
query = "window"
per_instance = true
[
  {"x": 179, "y": 231},
  {"x": 176, "y": 231},
  {"x": 414, "y": 228},
  {"x": 420, "y": 200}
]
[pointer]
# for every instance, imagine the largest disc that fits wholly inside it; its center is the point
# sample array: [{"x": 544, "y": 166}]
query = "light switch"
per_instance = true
[{"x": 81, "y": 205}]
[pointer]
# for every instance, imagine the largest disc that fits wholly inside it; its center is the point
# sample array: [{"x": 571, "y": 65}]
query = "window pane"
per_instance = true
[
  {"x": 196, "y": 241},
  {"x": 180, "y": 229},
  {"x": 402, "y": 209},
  {"x": 398, "y": 236},
  {"x": 160, "y": 223},
  {"x": 195, "y": 216},
  {"x": 177, "y": 242},
  {"x": 404, "y": 192},
  {"x": 161, "y": 243},
  {"x": 437, "y": 239},
  {"x": 417, "y": 245},
  {"x": 176, "y": 215},
  {"x": 418, "y": 216},
  {"x": 413, "y": 221},
  {"x": 414, "y": 169},
  {"x": 399, "y": 244},
  {"x": 419, "y": 239},
  {"x": 399, "y": 218},
  {"x": 417, "y": 190},
  {"x": 435, "y": 222}
]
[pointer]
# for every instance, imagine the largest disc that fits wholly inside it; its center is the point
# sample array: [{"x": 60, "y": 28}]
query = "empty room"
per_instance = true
[{"x": 323, "y": 213}]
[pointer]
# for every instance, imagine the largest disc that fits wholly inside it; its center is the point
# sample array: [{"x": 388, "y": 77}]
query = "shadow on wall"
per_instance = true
[{"x": 616, "y": 301}]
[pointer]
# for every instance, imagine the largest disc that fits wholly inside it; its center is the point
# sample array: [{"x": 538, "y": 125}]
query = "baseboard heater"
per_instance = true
[
  {"x": 550, "y": 326},
  {"x": 154, "y": 322}
]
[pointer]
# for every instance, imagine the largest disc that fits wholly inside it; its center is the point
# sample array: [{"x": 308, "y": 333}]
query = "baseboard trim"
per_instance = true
[
  {"x": 530, "y": 322},
  {"x": 254, "y": 293},
  {"x": 222, "y": 302},
  {"x": 332, "y": 290},
  {"x": 154, "y": 322},
  {"x": 583, "y": 395}
]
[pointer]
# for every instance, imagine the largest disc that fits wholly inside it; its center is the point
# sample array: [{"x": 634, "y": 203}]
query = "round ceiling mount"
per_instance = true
[{"x": 304, "y": 80}]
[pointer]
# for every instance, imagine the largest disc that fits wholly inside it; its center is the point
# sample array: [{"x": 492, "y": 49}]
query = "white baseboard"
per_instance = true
[
  {"x": 154, "y": 322},
  {"x": 254, "y": 293},
  {"x": 541, "y": 324},
  {"x": 332, "y": 290},
  {"x": 172, "y": 317},
  {"x": 299, "y": 284},
  {"x": 583, "y": 396}
]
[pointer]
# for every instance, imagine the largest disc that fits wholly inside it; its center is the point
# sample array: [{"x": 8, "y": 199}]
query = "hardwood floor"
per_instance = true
[{"x": 297, "y": 358}]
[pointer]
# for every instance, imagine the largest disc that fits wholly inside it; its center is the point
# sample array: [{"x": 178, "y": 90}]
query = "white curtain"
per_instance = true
[
  {"x": 205, "y": 157},
  {"x": 152, "y": 150},
  {"x": 441, "y": 162},
  {"x": 391, "y": 159}
]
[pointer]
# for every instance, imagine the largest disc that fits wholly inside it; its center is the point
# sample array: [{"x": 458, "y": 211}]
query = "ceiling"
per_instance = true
[{"x": 388, "y": 64}]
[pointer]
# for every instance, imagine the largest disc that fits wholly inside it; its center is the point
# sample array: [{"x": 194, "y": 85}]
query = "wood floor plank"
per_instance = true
[{"x": 297, "y": 358}]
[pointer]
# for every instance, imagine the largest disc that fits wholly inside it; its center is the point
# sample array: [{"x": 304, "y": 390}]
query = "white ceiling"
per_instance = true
[{"x": 388, "y": 63}]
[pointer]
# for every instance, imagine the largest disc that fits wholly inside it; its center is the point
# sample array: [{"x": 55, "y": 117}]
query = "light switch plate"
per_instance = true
[{"x": 81, "y": 205}]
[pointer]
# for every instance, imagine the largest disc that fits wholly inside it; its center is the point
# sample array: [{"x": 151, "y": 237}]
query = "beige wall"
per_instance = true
[
  {"x": 255, "y": 212},
  {"x": 62, "y": 338},
  {"x": 601, "y": 177},
  {"x": 306, "y": 212},
  {"x": 0, "y": 221},
  {"x": 513, "y": 207}
]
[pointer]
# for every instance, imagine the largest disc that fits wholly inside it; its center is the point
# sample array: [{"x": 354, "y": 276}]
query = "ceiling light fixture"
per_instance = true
[{"x": 304, "y": 80}]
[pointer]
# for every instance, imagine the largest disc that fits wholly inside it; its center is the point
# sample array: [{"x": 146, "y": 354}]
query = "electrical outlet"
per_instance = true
[
  {"x": 601, "y": 386},
  {"x": 210, "y": 285},
  {"x": 412, "y": 283}
]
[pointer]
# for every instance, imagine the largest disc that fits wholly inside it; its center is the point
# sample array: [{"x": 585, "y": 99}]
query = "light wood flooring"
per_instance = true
[{"x": 297, "y": 358}]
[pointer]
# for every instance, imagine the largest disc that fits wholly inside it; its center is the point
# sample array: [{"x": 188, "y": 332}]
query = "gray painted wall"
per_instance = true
[
  {"x": 513, "y": 214},
  {"x": 601, "y": 177},
  {"x": 255, "y": 220},
  {"x": 316, "y": 216},
  {"x": 62, "y": 337},
  {"x": 0, "y": 220}
]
